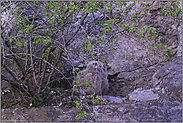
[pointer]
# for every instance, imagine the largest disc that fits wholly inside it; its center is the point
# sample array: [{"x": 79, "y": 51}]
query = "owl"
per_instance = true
[{"x": 94, "y": 74}]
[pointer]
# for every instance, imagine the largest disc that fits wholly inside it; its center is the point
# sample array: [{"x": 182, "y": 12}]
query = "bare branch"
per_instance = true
[{"x": 69, "y": 41}]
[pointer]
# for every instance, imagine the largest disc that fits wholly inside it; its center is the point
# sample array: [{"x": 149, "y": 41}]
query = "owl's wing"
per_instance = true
[{"x": 89, "y": 77}]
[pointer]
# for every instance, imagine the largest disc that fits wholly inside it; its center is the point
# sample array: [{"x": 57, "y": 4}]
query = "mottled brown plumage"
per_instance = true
[{"x": 95, "y": 73}]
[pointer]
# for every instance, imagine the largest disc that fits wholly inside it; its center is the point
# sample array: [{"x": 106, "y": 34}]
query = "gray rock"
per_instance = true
[{"x": 143, "y": 95}]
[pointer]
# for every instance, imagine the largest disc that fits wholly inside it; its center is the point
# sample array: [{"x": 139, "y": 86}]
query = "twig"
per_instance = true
[
  {"x": 45, "y": 66},
  {"x": 69, "y": 42},
  {"x": 37, "y": 13},
  {"x": 22, "y": 69},
  {"x": 15, "y": 77},
  {"x": 32, "y": 59}
]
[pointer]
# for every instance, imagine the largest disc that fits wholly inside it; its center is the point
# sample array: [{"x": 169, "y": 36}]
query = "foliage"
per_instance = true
[
  {"x": 75, "y": 88},
  {"x": 97, "y": 100},
  {"x": 44, "y": 33},
  {"x": 82, "y": 115},
  {"x": 169, "y": 53},
  {"x": 174, "y": 11}
]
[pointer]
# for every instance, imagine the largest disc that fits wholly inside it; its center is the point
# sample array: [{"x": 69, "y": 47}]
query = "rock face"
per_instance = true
[
  {"x": 140, "y": 90},
  {"x": 131, "y": 65},
  {"x": 163, "y": 103},
  {"x": 168, "y": 79}
]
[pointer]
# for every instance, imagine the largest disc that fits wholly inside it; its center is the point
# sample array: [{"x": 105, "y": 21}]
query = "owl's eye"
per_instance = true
[{"x": 95, "y": 64}]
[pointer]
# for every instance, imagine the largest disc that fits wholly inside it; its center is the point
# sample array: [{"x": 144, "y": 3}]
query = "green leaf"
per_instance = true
[
  {"x": 25, "y": 43},
  {"x": 115, "y": 37},
  {"x": 10, "y": 40},
  {"x": 112, "y": 48},
  {"x": 82, "y": 18},
  {"x": 110, "y": 44},
  {"x": 124, "y": 3},
  {"x": 34, "y": 4},
  {"x": 166, "y": 59},
  {"x": 166, "y": 6},
  {"x": 100, "y": 114}
]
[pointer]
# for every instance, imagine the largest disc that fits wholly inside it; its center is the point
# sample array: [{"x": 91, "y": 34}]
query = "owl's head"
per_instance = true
[{"x": 95, "y": 64}]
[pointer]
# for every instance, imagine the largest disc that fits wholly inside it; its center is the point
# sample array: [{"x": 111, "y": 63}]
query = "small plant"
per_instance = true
[
  {"x": 78, "y": 104},
  {"x": 87, "y": 83},
  {"x": 97, "y": 100},
  {"x": 169, "y": 53},
  {"x": 75, "y": 88},
  {"x": 82, "y": 115},
  {"x": 105, "y": 62},
  {"x": 100, "y": 114}
]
